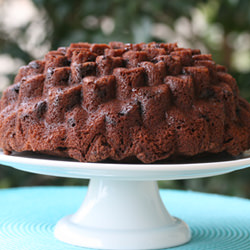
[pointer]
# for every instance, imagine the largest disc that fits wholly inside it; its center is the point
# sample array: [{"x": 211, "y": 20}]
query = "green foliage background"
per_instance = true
[{"x": 222, "y": 30}]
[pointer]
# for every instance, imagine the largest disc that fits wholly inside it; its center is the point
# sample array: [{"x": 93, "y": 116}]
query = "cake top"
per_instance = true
[{"x": 121, "y": 71}]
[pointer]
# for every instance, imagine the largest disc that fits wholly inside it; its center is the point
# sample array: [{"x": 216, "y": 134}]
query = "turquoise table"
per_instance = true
[{"x": 28, "y": 217}]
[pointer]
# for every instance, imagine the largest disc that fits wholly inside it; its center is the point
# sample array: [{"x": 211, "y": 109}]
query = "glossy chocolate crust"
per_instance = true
[{"x": 153, "y": 101}]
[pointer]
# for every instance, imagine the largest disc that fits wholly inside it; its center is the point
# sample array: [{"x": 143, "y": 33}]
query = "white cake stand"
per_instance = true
[{"x": 122, "y": 208}]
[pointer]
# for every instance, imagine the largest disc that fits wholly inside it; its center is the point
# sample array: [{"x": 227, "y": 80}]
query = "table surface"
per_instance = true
[{"x": 28, "y": 217}]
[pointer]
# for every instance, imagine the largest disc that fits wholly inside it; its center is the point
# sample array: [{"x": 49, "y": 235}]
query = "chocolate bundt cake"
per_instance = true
[{"x": 153, "y": 101}]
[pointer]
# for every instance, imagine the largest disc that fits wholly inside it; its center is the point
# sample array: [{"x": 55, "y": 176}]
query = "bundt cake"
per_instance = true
[{"x": 149, "y": 102}]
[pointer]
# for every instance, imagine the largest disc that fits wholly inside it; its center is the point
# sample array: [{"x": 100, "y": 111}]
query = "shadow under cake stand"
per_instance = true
[{"x": 122, "y": 208}]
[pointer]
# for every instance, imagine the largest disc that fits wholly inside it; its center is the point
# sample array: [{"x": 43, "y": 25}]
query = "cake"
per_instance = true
[{"x": 146, "y": 102}]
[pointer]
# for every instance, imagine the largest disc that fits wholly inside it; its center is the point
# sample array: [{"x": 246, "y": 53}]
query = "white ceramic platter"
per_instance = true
[
  {"x": 47, "y": 165},
  {"x": 123, "y": 208}
]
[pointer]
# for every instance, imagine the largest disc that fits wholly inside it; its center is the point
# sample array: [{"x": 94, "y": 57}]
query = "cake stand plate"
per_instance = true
[{"x": 122, "y": 208}]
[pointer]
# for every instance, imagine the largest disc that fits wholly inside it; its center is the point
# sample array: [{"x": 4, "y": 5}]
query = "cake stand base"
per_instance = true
[{"x": 122, "y": 215}]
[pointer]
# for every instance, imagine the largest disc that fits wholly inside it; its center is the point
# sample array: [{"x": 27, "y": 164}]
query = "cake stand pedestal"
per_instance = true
[
  {"x": 122, "y": 208},
  {"x": 122, "y": 215}
]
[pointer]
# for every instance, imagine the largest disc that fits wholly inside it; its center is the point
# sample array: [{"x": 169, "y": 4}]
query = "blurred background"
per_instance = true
[{"x": 30, "y": 28}]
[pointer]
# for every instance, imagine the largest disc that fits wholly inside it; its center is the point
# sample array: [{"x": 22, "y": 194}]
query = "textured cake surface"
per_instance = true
[{"x": 153, "y": 101}]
